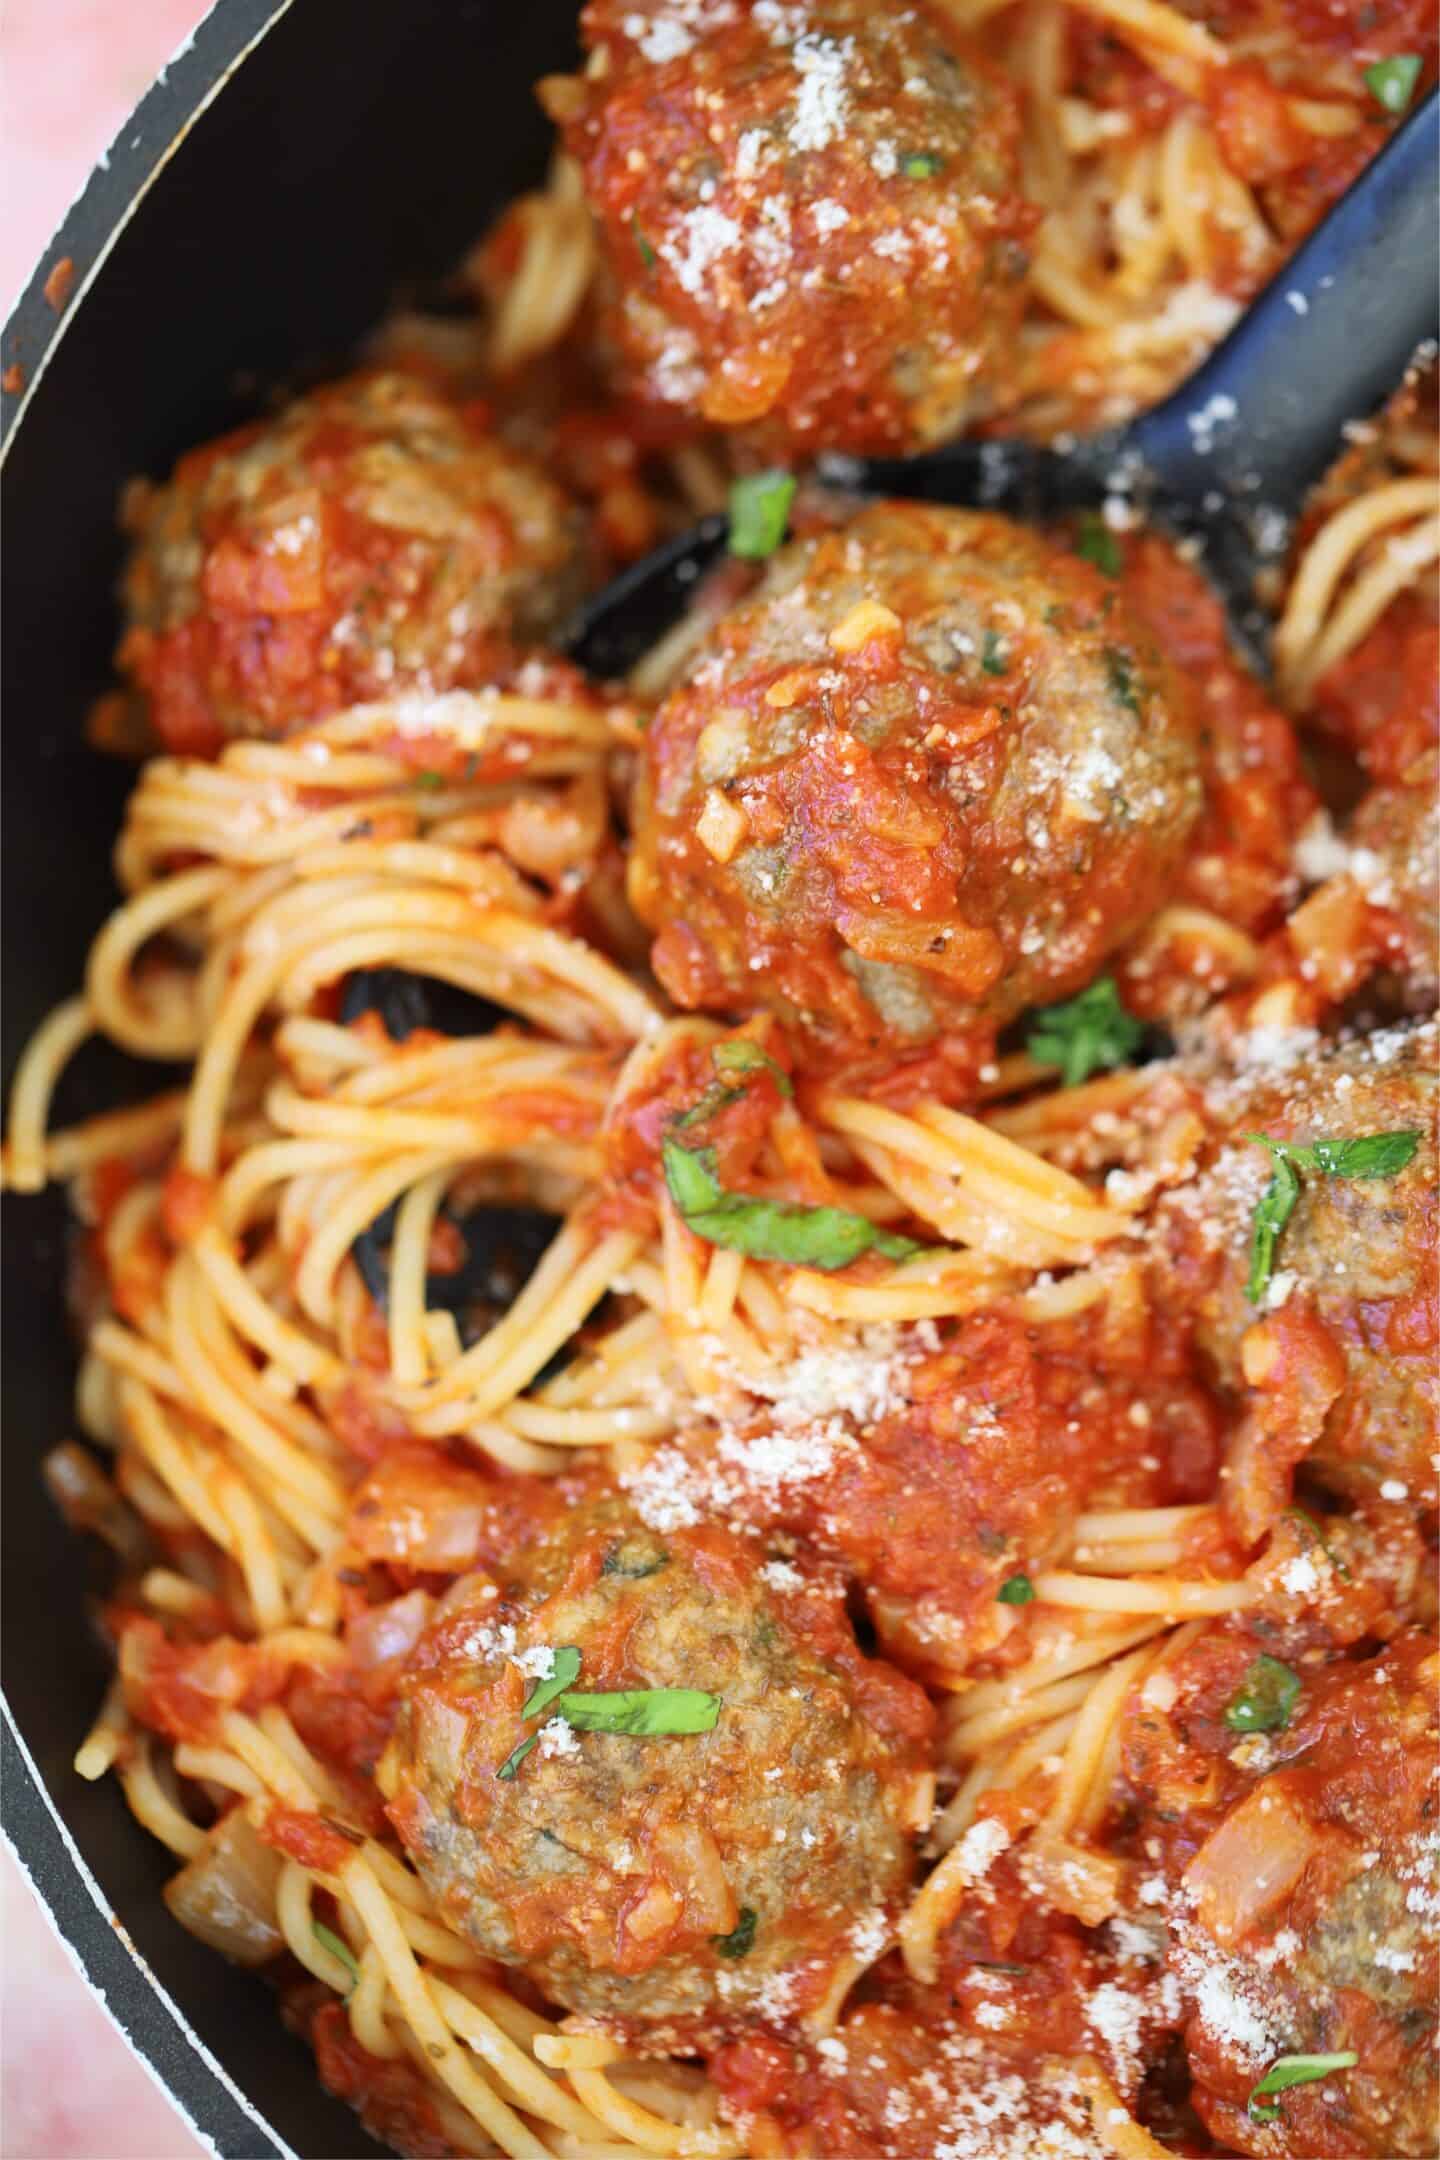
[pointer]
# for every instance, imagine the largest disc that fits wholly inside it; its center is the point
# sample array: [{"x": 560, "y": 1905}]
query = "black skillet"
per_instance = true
[{"x": 1227, "y": 459}]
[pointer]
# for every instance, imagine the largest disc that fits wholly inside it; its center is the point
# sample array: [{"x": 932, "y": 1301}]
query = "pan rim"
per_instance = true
[{"x": 115, "y": 187}]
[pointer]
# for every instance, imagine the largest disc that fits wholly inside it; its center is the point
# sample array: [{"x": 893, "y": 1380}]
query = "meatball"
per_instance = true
[
  {"x": 1297, "y": 1865},
  {"x": 674, "y": 1886},
  {"x": 931, "y": 772},
  {"x": 371, "y": 539},
  {"x": 1395, "y": 851},
  {"x": 1357, "y": 1254},
  {"x": 810, "y": 215}
]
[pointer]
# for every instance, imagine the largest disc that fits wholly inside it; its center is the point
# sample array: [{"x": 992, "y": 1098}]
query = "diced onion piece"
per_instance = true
[
  {"x": 226, "y": 1894},
  {"x": 1073, "y": 1879},
  {"x": 693, "y": 1867},
  {"x": 1250, "y": 1863},
  {"x": 721, "y": 825},
  {"x": 388, "y": 1631}
]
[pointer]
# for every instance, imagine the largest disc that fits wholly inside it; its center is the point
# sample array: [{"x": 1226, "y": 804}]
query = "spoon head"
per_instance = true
[{"x": 613, "y": 633}]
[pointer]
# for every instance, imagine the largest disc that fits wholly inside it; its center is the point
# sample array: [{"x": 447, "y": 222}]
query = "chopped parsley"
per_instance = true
[
  {"x": 337, "y": 1947},
  {"x": 1086, "y": 1034},
  {"x": 992, "y": 654},
  {"x": 647, "y": 253},
  {"x": 1290, "y": 2070},
  {"x": 1098, "y": 544},
  {"x": 1266, "y": 1699},
  {"x": 1392, "y": 82},
  {"x": 741, "y": 1937},
  {"x": 1368, "y": 1155},
  {"x": 744, "y": 1056},
  {"x": 813, "y": 1237},
  {"x": 428, "y": 778},
  {"x": 1015, "y": 1590},
  {"x": 923, "y": 164},
  {"x": 759, "y": 512}
]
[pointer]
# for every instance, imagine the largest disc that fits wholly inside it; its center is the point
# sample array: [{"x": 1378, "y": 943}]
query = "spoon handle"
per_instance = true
[{"x": 1325, "y": 343}]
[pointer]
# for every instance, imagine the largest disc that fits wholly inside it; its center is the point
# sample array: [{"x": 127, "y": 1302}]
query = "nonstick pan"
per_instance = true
[{"x": 298, "y": 169}]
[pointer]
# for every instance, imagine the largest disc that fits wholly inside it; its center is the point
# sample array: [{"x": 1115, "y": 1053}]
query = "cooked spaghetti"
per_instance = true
[{"x": 767, "y": 1405}]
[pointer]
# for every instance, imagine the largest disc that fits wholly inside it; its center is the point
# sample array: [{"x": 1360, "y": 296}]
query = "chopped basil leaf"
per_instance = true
[
  {"x": 516, "y": 1756},
  {"x": 1098, "y": 544},
  {"x": 1267, "y": 1698},
  {"x": 647, "y": 253},
  {"x": 759, "y": 511},
  {"x": 705, "y": 1105},
  {"x": 427, "y": 778},
  {"x": 1015, "y": 1590},
  {"x": 1392, "y": 82},
  {"x": 922, "y": 165},
  {"x": 992, "y": 654},
  {"x": 1121, "y": 677},
  {"x": 1276, "y": 1206},
  {"x": 748, "y": 1057},
  {"x": 565, "y": 1669},
  {"x": 337, "y": 1947},
  {"x": 1086, "y": 1034},
  {"x": 644, "y": 1711},
  {"x": 1291, "y": 2070},
  {"x": 1367, "y": 1155},
  {"x": 814, "y": 1237},
  {"x": 741, "y": 1937}
]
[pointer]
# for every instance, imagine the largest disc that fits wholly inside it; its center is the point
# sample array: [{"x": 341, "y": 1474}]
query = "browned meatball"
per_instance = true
[
  {"x": 1395, "y": 852},
  {"x": 371, "y": 539},
  {"x": 1358, "y": 1254},
  {"x": 810, "y": 214},
  {"x": 1294, "y": 1861},
  {"x": 932, "y": 772},
  {"x": 674, "y": 1884}
]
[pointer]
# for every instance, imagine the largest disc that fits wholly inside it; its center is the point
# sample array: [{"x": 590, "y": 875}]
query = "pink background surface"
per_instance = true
[{"x": 70, "y": 71}]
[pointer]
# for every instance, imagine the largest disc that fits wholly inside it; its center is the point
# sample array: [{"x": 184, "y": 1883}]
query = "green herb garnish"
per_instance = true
[
  {"x": 815, "y": 1237},
  {"x": 1120, "y": 675},
  {"x": 1015, "y": 1590},
  {"x": 1392, "y": 82},
  {"x": 645, "y": 1712},
  {"x": 922, "y": 165},
  {"x": 1265, "y": 1701},
  {"x": 565, "y": 1669},
  {"x": 1098, "y": 544},
  {"x": 337, "y": 1947},
  {"x": 1086, "y": 1034},
  {"x": 759, "y": 512},
  {"x": 992, "y": 654},
  {"x": 647, "y": 253},
  {"x": 741, "y": 1937},
  {"x": 427, "y": 777},
  {"x": 1291, "y": 2070},
  {"x": 1369, "y": 1155},
  {"x": 748, "y": 1057}
]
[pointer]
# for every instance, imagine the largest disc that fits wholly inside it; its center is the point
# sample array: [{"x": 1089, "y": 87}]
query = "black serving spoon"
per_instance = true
[{"x": 1227, "y": 459}]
